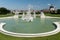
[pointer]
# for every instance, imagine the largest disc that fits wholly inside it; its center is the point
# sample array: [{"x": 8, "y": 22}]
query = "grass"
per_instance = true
[
  {"x": 53, "y": 37},
  {"x": 53, "y": 15},
  {"x": 7, "y": 15}
]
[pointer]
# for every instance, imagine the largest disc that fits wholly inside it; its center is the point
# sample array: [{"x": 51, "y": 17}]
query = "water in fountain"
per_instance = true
[
  {"x": 34, "y": 15},
  {"x": 42, "y": 15},
  {"x": 16, "y": 14},
  {"x": 23, "y": 16}
]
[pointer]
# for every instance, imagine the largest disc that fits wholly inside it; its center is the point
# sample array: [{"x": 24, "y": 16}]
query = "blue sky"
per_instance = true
[{"x": 23, "y": 4}]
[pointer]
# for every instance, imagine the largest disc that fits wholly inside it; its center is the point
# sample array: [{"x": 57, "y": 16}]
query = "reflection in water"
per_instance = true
[
  {"x": 42, "y": 20},
  {"x": 16, "y": 20}
]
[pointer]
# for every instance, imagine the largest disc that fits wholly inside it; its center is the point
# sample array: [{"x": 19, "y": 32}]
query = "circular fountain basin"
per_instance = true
[{"x": 37, "y": 28}]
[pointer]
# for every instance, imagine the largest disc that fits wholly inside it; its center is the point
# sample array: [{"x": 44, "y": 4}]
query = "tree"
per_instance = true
[
  {"x": 58, "y": 11},
  {"x": 4, "y": 10},
  {"x": 37, "y": 12}
]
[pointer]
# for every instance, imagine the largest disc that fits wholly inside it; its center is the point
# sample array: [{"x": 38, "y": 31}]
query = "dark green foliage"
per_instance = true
[
  {"x": 20, "y": 13},
  {"x": 38, "y": 12},
  {"x": 4, "y": 10},
  {"x": 58, "y": 11},
  {"x": 32, "y": 13}
]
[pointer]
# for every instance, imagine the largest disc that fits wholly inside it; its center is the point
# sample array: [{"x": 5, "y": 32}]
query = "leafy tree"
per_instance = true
[
  {"x": 37, "y": 12},
  {"x": 4, "y": 10},
  {"x": 58, "y": 11}
]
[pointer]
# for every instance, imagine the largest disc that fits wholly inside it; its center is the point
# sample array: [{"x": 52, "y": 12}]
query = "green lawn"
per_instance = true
[
  {"x": 53, "y": 37},
  {"x": 7, "y": 15},
  {"x": 53, "y": 15}
]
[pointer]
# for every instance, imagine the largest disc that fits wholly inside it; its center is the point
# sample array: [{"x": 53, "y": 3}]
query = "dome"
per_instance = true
[{"x": 51, "y": 6}]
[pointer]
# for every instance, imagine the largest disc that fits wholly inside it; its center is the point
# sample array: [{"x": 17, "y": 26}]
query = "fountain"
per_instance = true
[
  {"x": 37, "y": 28},
  {"x": 34, "y": 15},
  {"x": 16, "y": 14},
  {"x": 23, "y": 16},
  {"x": 42, "y": 15},
  {"x": 28, "y": 16}
]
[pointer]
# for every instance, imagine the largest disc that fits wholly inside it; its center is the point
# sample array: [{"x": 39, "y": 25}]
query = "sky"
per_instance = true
[{"x": 23, "y": 4}]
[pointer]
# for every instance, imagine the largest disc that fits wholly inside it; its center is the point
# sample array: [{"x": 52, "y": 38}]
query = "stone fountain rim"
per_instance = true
[{"x": 29, "y": 35}]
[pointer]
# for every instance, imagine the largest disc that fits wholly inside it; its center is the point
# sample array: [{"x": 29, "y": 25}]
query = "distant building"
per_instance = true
[
  {"x": 52, "y": 9},
  {"x": 45, "y": 10}
]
